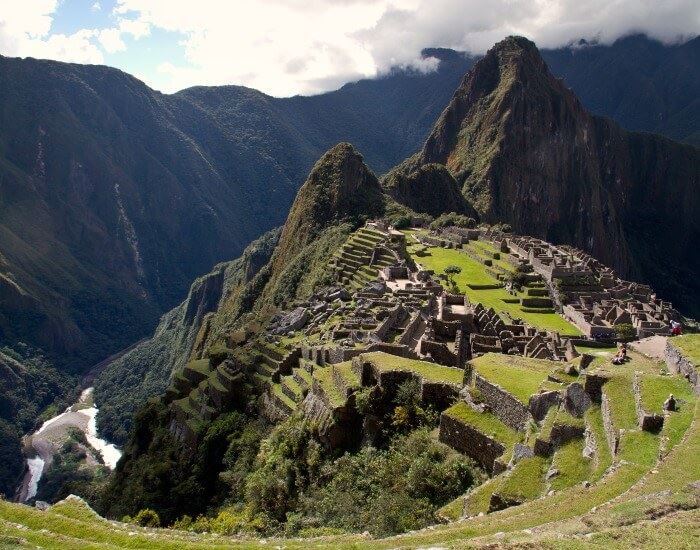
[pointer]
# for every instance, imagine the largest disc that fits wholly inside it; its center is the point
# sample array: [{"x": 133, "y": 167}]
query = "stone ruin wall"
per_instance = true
[
  {"x": 506, "y": 407},
  {"x": 677, "y": 363},
  {"x": 470, "y": 441}
]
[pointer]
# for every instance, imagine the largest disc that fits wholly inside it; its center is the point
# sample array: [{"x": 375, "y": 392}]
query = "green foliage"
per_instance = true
[
  {"x": 504, "y": 227},
  {"x": 158, "y": 472},
  {"x": 308, "y": 268},
  {"x": 450, "y": 271},
  {"x": 386, "y": 491},
  {"x": 400, "y": 222},
  {"x": 408, "y": 393},
  {"x": 70, "y": 473},
  {"x": 625, "y": 332},
  {"x": 364, "y": 401},
  {"x": 30, "y": 389},
  {"x": 453, "y": 220},
  {"x": 147, "y": 518},
  {"x": 288, "y": 461}
]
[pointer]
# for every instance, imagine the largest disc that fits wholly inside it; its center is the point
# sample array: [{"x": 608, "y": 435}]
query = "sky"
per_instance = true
[{"x": 288, "y": 47}]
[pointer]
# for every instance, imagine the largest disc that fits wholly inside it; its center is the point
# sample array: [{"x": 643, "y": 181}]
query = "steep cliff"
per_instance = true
[
  {"x": 125, "y": 384},
  {"x": 526, "y": 152}
]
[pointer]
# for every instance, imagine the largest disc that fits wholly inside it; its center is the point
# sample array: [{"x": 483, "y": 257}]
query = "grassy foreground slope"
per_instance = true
[{"x": 635, "y": 505}]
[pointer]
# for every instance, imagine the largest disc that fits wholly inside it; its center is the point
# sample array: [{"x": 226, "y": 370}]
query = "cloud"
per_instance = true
[
  {"x": 474, "y": 25},
  {"x": 284, "y": 47},
  {"x": 293, "y": 46},
  {"x": 25, "y": 31},
  {"x": 111, "y": 40}
]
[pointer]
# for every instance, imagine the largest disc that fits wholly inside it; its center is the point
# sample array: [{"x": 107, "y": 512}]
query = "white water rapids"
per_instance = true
[{"x": 81, "y": 418}]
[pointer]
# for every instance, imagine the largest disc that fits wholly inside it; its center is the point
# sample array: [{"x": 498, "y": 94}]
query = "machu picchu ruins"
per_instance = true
[{"x": 516, "y": 376}]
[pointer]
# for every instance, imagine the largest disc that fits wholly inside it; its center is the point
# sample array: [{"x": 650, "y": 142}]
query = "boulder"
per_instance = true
[
  {"x": 670, "y": 403},
  {"x": 293, "y": 321},
  {"x": 521, "y": 451},
  {"x": 576, "y": 400}
]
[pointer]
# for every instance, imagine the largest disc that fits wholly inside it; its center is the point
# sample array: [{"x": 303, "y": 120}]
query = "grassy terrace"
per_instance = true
[
  {"x": 573, "y": 467},
  {"x": 520, "y": 376},
  {"x": 526, "y": 480},
  {"x": 689, "y": 346},
  {"x": 655, "y": 389},
  {"x": 603, "y": 456},
  {"x": 324, "y": 377},
  {"x": 486, "y": 423},
  {"x": 431, "y": 372},
  {"x": 624, "y": 494},
  {"x": 199, "y": 365},
  {"x": 474, "y": 273},
  {"x": 619, "y": 388}
]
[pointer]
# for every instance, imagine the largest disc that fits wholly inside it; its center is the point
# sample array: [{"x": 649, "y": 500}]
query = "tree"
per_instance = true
[{"x": 450, "y": 272}]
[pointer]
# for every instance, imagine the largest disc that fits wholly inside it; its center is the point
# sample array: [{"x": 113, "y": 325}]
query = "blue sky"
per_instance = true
[
  {"x": 141, "y": 57},
  {"x": 287, "y": 47}
]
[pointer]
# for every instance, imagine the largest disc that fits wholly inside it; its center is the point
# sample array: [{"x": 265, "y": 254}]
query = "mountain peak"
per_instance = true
[
  {"x": 510, "y": 85},
  {"x": 340, "y": 187}
]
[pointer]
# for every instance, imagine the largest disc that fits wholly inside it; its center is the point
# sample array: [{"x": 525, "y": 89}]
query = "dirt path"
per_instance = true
[{"x": 654, "y": 347}]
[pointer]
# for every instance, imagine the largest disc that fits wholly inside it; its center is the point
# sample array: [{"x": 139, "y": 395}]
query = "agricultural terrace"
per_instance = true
[
  {"x": 474, "y": 275},
  {"x": 520, "y": 376}
]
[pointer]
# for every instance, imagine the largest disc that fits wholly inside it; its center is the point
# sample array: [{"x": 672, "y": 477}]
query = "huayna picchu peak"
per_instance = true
[
  {"x": 490, "y": 344},
  {"x": 525, "y": 152}
]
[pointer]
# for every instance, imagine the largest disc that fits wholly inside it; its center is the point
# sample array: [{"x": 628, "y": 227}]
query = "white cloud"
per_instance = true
[
  {"x": 96, "y": 7},
  {"x": 111, "y": 40},
  {"x": 285, "y": 47},
  {"x": 25, "y": 31},
  {"x": 474, "y": 25},
  {"x": 294, "y": 46}
]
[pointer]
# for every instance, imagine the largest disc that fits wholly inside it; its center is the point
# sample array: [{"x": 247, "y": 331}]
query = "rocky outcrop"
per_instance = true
[
  {"x": 428, "y": 188},
  {"x": 678, "y": 363}
]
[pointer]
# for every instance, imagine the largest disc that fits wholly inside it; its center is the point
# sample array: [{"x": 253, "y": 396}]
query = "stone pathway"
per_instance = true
[{"x": 654, "y": 346}]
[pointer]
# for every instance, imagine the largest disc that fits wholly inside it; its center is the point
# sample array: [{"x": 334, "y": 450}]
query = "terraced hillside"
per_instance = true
[
  {"x": 361, "y": 257},
  {"x": 611, "y": 484}
]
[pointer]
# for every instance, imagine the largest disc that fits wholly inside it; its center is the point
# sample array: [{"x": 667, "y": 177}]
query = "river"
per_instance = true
[{"x": 49, "y": 438}]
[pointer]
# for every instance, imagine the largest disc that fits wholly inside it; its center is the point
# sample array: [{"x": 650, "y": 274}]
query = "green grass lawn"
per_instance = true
[
  {"x": 689, "y": 346},
  {"x": 526, "y": 479},
  {"x": 477, "y": 501},
  {"x": 520, "y": 376},
  {"x": 655, "y": 389},
  {"x": 603, "y": 458},
  {"x": 199, "y": 365},
  {"x": 597, "y": 351},
  {"x": 486, "y": 423},
  {"x": 429, "y": 371},
  {"x": 324, "y": 376},
  {"x": 573, "y": 467},
  {"x": 474, "y": 273}
]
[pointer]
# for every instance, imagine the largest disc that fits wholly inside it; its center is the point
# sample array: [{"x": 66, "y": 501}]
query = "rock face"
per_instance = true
[
  {"x": 526, "y": 152},
  {"x": 428, "y": 188}
]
